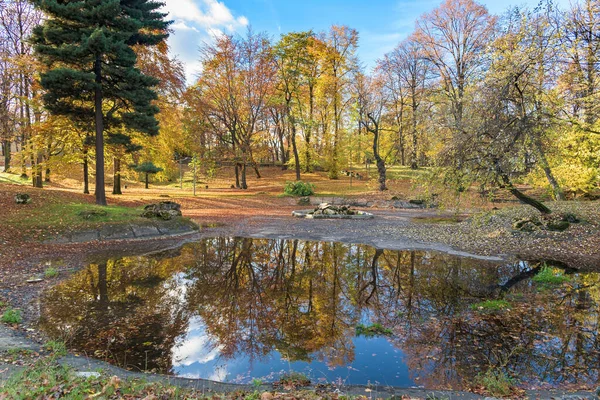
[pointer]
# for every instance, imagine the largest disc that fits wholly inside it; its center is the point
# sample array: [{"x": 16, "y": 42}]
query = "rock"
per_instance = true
[
  {"x": 571, "y": 218},
  {"x": 527, "y": 225},
  {"x": 303, "y": 201},
  {"x": 88, "y": 374},
  {"x": 417, "y": 202},
  {"x": 558, "y": 226},
  {"x": 164, "y": 210},
  {"x": 22, "y": 198}
]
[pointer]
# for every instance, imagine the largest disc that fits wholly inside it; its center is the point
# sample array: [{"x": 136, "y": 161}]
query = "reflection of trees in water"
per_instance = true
[
  {"x": 124, "y": 311},
  {"x": 304, "y": 299}
]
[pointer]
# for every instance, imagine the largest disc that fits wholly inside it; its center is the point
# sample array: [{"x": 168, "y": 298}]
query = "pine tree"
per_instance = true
[
  {"x": 87, "y": 47},
  {"x": 147, "y": 168}
]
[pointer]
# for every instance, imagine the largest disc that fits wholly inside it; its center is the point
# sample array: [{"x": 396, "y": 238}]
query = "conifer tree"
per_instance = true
[{"x": 87, "y": 47}]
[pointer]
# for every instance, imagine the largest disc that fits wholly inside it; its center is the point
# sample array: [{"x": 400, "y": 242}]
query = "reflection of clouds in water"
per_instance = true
[
  {"x": 195, "y": 347},
  {"x": 219, "y": 375}
]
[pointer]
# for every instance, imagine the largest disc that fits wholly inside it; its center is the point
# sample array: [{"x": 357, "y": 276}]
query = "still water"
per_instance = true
[{"x": 238, "y": 309}]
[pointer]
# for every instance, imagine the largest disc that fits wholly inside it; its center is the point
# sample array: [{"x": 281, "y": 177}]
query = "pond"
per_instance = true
[{"x": 239, "y": 309}]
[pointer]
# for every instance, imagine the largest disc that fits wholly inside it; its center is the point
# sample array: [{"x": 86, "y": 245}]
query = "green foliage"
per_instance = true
[
  {"x": 373, "y": 330},
  {"x": 257, "y": 382},
  {"x": 12, "y": 316},
  {"x": 299, "y": 188},
  {"x": 147, "y": 167},
  {"x": 51, "y": 272},
  {"x": 57, "y": 348},
  {"x": 497, "y": 383},
  {"x": 491, "y": 306},
  {"x": 42, "y": 380},
  {"x": 551, "y": 276}
]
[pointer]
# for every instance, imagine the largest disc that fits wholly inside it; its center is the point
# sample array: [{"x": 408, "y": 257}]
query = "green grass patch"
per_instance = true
[
  {"x": 551, "y": 276},
  {"x": 51, "y": 272},
  {"x": 497, "y": 383},
  {"x": 56, "y": 347},
  {"x": 11, "y": 316},
  {"x": 491, "y": 306},
  {"x": 49, "y": 379},
  {"x": 397, "y": 172},
  {"x": 14, "y": 179},
  {"x": 65, "y": 216},
  {"x": 373, "y": 330}
]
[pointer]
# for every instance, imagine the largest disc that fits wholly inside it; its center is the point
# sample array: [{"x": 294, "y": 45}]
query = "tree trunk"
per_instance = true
[
  {"x": 507, "y": 184},
  {"x": 556, "y": 189},
  {"x": 292, "y": 123},
  {"x": 6, "y": 147},
  {"x": 237, "y": 175},
  {"x": 86, "y": 173},
  {"x": 244, "y": 185},
  {"x": 100, "y": 191},
  {"x": 117, "y": 176},
  {"x": 380, "y": 163},
  {"x": 308, "y": 135},
  {"x": 47, "y": 175},
  {"x": 147, "y": 179},
  {"x": 38, "y": 180}
]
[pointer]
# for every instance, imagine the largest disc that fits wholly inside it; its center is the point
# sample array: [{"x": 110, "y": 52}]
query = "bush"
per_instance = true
[
  {"x": 12, "y": 316},
  {"x": 497, "y": 383},
  {"x": 51, "y": 272},
  {"x": 299, "y": 188}
]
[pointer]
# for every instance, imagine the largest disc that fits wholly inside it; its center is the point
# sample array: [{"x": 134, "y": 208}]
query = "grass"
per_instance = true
[
  {"x": 14, "y": 179},
  {"x": 497, "y": 383},
  {"x": 373, "y": 330},
  {"x": 491, "y": 306},
  {"x": 62, "y": 215},
  {"x": 551, "y": 276},
  {"x": 57, "y": 348},
  {"x": 11, "y": 316},
  {"x": 48, "y": 379},
  {"x": 51, "y": 272}
]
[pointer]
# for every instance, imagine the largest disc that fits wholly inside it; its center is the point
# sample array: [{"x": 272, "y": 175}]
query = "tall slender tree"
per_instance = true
[{"x": 87, "y": 47}]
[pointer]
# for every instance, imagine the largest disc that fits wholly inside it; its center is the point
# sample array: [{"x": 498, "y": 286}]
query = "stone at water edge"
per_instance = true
[
  {"x": 22, "y": 198},
  {"x": 164, "y": 210}
]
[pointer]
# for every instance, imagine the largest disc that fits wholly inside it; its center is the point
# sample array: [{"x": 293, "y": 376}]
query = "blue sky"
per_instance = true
[{"x": 381, "y": 23}]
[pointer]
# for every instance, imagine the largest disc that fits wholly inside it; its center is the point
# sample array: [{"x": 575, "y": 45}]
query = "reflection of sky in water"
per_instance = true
[{"x": 376, "y": 361}]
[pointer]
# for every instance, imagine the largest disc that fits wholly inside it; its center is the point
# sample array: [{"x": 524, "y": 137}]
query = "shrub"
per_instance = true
[
  {"x": 491, "y": 306},
  {"x": 51, "y": 272},
  {"x": 497, "y": 383},
  {"x": 550, "y": 276},
  {"x": 299, "y": 188},
  {"x": 373, "y": 330},
  {"x": 12, "y": 316}
]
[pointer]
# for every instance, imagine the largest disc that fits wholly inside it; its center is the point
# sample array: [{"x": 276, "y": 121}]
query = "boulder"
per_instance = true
[
  {"x": 303, "y": 201},
  {"x": 558, "y": 226},
  {"x": 22, "y": 198},
  {"x": 527, "y": 225},
  {"x": 165, "y": 210}
]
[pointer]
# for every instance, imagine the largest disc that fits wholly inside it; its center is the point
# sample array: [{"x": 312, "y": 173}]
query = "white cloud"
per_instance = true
[
  {"x": 195, "y": 347},
  {"x": 196, "y": 22},
  {"x": 206, "y": 13}
]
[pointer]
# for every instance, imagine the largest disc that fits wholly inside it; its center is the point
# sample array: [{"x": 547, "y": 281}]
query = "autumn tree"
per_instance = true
[
  {"x": 413, "y": 71},
  {"x": 454, "y": 37},
  {"x": 233, "y": 92},
  {"x": 371, "y": 107},
  {"x": 339, "y": 62},
  {"x": 294, "y": 61},
  {"x": 87, "y": 47}
]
